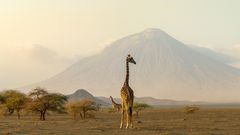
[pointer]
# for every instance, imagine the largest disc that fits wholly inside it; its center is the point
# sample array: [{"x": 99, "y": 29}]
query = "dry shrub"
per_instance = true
[
  {"x": 72, "y": 109},
  {"x": 191, "y": 109},
  {"x": 137, "y": 107},
  {"x": 80, "y": 108}
]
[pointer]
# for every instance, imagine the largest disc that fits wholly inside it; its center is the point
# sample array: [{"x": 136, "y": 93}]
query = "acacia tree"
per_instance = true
[
  {"x": 137, "y": 107},
  {"x": 13, "y": 100},
  {"x": 42, "y": 101},
  {"x": 38, "y": 92}
]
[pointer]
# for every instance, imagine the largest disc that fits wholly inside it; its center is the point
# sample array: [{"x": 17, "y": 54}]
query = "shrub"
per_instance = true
[
  {"x": 191, "y": 109},
  {"x": 137, "y": 107},
  {"x": 12, "y": 100},
  {"x": 81, "y": 108}
]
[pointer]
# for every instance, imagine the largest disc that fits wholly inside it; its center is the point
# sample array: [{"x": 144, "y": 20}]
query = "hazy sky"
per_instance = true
[{"x": 39, "y": 38}]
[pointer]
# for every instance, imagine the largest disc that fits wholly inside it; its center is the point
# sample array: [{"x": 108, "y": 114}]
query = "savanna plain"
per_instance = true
[{"x": 151, "y": 121}]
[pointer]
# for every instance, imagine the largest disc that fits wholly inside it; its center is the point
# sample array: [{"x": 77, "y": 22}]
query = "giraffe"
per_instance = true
[
  {"x": 127, "y": 97},
  {"x": 115, "y": 105}
]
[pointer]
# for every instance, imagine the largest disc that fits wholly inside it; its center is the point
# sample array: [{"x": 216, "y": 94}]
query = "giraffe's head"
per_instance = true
[{"x": 130, "y": 59}]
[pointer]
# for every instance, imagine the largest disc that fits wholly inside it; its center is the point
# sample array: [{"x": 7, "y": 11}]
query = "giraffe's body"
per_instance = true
[
  {"x": 127, "y": 96},
  {"x": 115, "y": 105}
]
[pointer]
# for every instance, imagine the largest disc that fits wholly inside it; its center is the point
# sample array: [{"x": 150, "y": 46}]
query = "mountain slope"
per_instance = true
[
  {"x": 166, "y": 69},
  {"x": 83, "y": 94},
  {"x": 214, "y": 54},
  {"x": 235, "y": 64}
]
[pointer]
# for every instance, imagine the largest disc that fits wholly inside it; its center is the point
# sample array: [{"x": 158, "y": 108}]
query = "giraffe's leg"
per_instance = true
[
  {"x": 130, "y": 115},
  {"x": 128, "y": 118},
  {"x": 122, "y": 116}
]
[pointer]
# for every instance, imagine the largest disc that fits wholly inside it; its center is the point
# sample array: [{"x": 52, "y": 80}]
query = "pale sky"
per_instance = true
[{"x": 39, "y": 38}]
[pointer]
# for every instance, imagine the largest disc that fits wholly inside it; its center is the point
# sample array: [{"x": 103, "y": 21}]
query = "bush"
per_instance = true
[
  {"x": 137, "y": 107},
  {"x": 12, "y": 100},
  {"x": 75, "y": 108},
  {"x": 191, "y": 109}
]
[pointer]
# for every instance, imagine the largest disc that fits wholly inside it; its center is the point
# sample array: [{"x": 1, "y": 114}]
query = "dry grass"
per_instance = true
[{"x": 150, "y": 122}]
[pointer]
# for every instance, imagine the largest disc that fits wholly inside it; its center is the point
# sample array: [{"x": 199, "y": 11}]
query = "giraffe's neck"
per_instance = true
[
  {"x": 113, "y": 102},
  {"x": 127, "y": 73}
]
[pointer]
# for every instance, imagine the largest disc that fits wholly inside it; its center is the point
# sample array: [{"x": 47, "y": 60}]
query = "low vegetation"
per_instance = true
[
  {"x": 12, "y": 100},
  {"x": 42, "y": 101},
  {"x": 191, "y": 109},
  {"x": 80, "y": 108},
  {"x": 137, "y": 107},
  {"x": 39, "y": 101}
]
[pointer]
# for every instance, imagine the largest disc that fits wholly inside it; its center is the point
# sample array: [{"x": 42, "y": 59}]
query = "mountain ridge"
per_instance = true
[{"x": 82, "y": 94}]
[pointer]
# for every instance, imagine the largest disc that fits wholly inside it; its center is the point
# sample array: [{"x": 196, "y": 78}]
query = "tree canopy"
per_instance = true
[
  {"x": 13, "y": 100},
  {"x": 42, "y": 101}
]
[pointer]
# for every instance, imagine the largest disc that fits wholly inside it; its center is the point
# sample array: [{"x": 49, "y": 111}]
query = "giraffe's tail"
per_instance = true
[{"x": 130, "y": 110}]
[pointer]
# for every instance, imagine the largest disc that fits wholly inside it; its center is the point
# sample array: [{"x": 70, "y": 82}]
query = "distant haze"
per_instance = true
[{"x": 42, "y": 38}]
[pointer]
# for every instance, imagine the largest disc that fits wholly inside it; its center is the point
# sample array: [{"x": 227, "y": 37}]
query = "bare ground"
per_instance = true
[{"x": 150, "y": 122}]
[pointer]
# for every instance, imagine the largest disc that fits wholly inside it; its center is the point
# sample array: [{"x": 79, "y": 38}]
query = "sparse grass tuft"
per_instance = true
[
  {"x": 191, "y": 109},
  {"x": 112, "y": 110}
]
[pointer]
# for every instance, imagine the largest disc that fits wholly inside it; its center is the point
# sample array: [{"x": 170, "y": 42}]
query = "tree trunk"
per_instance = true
[
  {"x": 18, "y": 114},
  {"x": 84, "y": 114},
  {"x": 74, "y": 116},
  {"x": 11, "y": 111},
  {"x": 81, "y": 115},
  {"x": 44, "y": 112},
  {"x": 41, "y": 115},
  {"x": 137, "y": 113}
]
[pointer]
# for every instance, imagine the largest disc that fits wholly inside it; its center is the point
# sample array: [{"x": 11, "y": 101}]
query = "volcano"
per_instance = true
[{"x": 166, "y": 69}]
